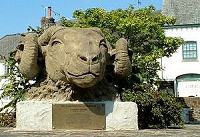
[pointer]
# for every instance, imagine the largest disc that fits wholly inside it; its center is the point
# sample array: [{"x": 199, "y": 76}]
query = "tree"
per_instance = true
[{"x": 143, "y": 28}]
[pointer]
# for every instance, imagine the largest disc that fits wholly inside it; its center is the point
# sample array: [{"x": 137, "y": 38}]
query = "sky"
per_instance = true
[{"x": 17, "y": 15}]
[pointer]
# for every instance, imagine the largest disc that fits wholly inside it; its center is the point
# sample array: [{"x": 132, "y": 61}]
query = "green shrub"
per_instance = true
[
  {"x": 156, "y": 109},
  {"x": 17, "y": 84}
]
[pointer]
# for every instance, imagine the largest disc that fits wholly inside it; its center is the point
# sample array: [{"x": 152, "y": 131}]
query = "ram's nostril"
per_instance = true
[
  {"x": 95, "y": 59},
  {"x": 83, "y": 58}
]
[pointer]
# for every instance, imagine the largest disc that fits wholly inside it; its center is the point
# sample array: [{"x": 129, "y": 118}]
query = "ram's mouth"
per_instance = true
[
  {"x": 83, "y": 75},
  {"x": 84, "y": 80}
]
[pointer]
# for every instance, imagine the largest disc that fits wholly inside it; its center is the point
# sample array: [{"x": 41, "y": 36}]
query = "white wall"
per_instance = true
[
  {"x": 2, "y": 69},
  {"x": 2, "y": 82},
  {"x": 175, "y": 66},
  {"x": 188, "y": 88}
]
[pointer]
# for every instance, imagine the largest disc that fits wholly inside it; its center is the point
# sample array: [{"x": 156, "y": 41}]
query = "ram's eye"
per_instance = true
[{"x": 55, "y": 43}]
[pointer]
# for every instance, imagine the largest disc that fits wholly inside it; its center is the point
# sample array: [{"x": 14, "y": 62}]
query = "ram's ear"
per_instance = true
[
  {"x": 18, "y": 52},
  {"x": 44, "y": 39},
  {"x": 20, "y": 48}
]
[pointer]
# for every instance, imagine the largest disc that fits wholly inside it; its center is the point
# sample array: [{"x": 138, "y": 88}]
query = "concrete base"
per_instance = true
[{"x": 37, "y": 115}]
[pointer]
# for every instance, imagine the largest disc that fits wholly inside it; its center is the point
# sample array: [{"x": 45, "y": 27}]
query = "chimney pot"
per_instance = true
[{"x": 49, "y": 12}]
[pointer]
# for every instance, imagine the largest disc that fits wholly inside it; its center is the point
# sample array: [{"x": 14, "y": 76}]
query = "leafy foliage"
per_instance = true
[
  {"x": 16, "y": 86},
  {"x": 143, "y": 28},
  {"x": 157, "y": 109},
  {"x": 38, "y": 30}
]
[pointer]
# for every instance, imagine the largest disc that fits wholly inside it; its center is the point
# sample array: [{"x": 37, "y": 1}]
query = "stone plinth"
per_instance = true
[
  {"x": 121, "y": 115},
  {"x": 37, "y": 115},
  {"x": 33, "y": 115}
]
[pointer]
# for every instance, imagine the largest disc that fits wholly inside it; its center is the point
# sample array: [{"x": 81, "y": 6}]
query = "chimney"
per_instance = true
[
  {"x": 49, "y": 12},
  {"x": 48, "y": 20}
]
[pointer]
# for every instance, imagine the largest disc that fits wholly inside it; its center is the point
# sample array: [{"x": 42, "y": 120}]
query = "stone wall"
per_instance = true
[{"x": 193, "y": 104}]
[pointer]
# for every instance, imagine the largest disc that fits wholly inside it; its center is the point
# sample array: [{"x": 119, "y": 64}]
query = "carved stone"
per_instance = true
[{"x": 72, "y": 64}]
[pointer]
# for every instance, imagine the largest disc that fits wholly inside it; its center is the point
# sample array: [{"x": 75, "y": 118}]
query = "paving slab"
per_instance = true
[{"x": 188, "y": 131}]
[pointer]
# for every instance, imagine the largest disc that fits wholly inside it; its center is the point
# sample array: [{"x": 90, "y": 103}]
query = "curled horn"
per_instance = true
[
  {"x": 27, "y": 56},
  {"x": 122, "y": 63},
  {"x": 46, "y": 36}
]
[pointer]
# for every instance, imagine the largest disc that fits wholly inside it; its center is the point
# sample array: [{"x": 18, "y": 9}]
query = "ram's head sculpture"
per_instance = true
[{"x": 77, "y": 58}]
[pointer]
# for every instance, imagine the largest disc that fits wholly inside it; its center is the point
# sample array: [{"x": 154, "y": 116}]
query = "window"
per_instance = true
[{"x": 190, "y": 50}]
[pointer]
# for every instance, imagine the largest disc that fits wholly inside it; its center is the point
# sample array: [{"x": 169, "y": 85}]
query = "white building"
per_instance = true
[{"x": 183, "y": 68}]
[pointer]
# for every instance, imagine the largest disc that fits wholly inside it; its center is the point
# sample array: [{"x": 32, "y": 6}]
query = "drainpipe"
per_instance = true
[{"x": 175, "y": 88}]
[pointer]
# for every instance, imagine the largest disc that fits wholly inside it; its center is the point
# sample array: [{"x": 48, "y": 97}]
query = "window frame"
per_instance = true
[{"x": 183, "y": 51}]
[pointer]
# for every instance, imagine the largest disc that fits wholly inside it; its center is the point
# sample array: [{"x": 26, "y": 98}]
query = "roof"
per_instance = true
[
  {"x": 185, "y": 11},
  {"x": 8, "y": 44}
]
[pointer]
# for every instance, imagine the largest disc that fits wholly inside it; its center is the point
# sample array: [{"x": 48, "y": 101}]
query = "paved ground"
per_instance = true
[{"x": 188, "y": 131}]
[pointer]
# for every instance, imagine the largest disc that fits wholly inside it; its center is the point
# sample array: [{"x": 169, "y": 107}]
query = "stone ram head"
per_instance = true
[{"x": 78, "y": 56}]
